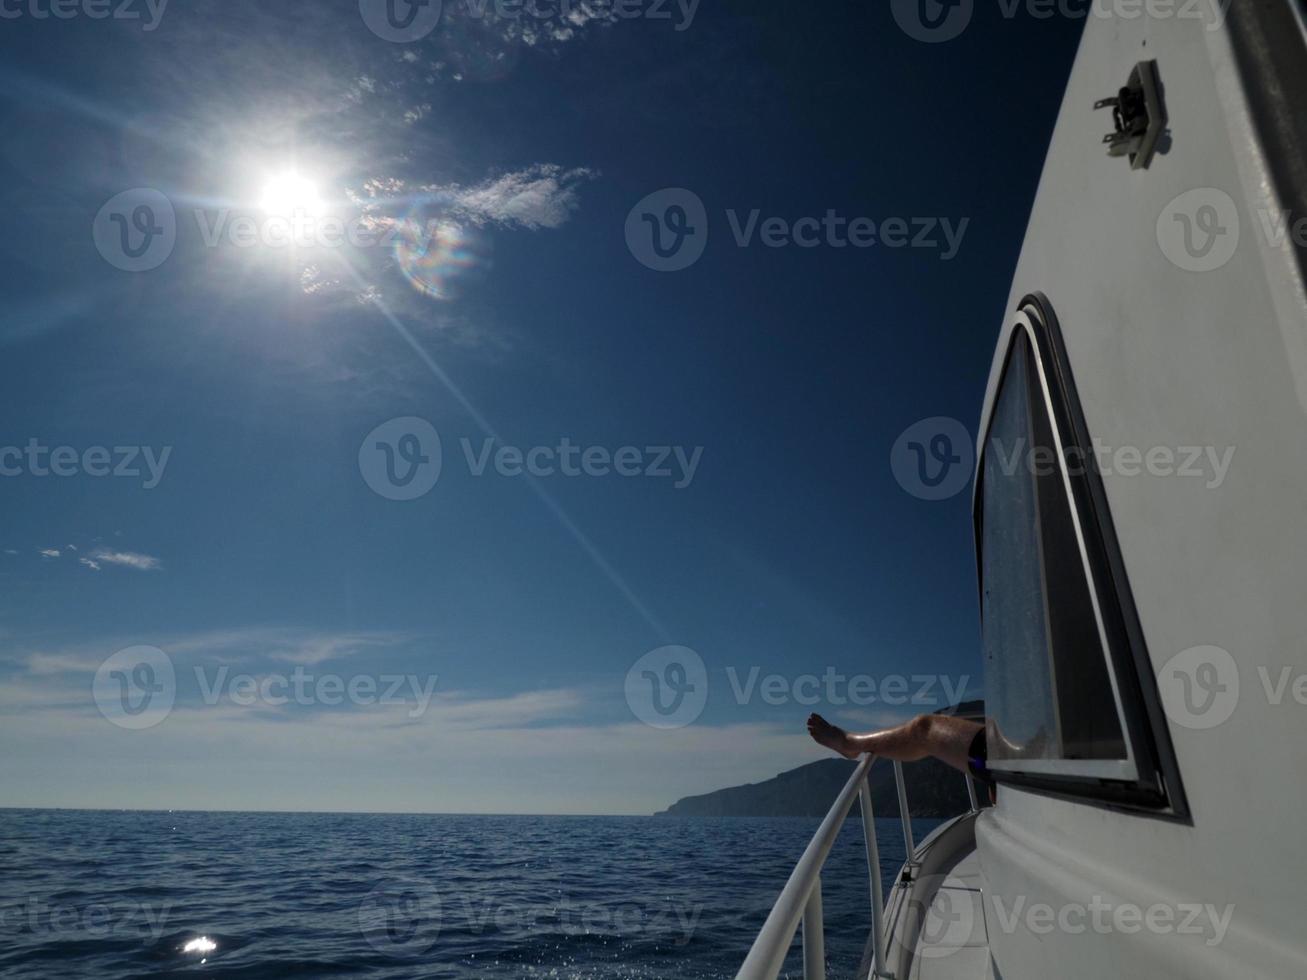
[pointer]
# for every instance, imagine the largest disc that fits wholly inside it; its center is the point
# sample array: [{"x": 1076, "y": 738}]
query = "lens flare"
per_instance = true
[{"x": 436, "y": 253}]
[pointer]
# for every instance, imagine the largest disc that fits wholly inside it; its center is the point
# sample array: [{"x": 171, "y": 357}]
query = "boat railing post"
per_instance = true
[
  {"x": 799, "y": 902},
  {"x": 908, "y": 843},
  {"x": 873, "y": 868},
  {"x": 814, "y": 938},
  {"x": 971, "y": 792}
]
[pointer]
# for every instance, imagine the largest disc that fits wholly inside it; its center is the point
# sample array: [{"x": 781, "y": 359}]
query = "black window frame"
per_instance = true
[{"x": 1157, "y": 789}]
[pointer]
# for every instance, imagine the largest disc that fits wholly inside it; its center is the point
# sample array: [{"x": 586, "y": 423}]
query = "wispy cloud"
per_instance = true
[
  {"x": 477, "y": 23},
  {"x": 96, "y": 559},
  {"x": 243, "y": 645},
  {"x": 415, "y": 213},
  {"x": 126, "y": 559},
  {"x": 278, "y": 644},
  {"x": 468, "y": 751},
  {"x": 541, "y": 196}
]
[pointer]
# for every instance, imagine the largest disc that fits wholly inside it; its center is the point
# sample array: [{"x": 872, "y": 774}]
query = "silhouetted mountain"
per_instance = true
[{"x": 934, "y": 789}]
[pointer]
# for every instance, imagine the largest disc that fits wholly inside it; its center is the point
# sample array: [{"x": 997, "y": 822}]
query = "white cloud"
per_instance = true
[
  {"x": 573, "y": 23},
  {"x": 524, "y": 752},
  {"x": 532, "y": 198},
  {"x": 243, "y": 645},
  {"x": 416, "y": 113},
  {"x": 282, "y": 644},
  {"x": 43, "y": 663},
  {"x": 543, "y": 195},
  {"x": 540, "y": 196},
  {"x": 127, "y": 559},
  {"x": 92, "y": 565},
  {"x": 49, "y": 552}
]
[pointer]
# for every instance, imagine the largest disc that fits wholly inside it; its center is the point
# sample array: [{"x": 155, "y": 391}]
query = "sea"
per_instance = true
[{"x": 126, "y": 894}]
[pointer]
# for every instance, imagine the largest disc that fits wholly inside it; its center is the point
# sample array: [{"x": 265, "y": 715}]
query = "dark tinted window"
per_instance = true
[{"x": 1046, "y": 673}]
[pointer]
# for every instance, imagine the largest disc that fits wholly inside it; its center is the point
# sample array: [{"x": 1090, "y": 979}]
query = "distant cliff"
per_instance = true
[{"x": 934, "y": 790}]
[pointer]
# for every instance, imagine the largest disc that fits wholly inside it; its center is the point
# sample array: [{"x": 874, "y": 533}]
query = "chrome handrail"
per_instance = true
[
  {"x": 909, "y": 843},
  {"x": 800, "y": 899}
]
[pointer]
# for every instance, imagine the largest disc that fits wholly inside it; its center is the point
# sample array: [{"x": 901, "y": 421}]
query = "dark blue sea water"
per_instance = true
[{"x": 113, "y": 895}]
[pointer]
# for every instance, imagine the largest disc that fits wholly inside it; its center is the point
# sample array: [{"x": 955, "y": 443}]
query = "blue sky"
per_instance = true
[{"x": 515, "y": 604}]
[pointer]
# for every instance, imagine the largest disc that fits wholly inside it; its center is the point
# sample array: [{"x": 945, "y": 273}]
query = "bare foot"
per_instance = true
[{"x": 831, "y": 736}]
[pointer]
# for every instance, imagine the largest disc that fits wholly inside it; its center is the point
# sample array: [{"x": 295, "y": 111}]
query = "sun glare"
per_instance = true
[{"x": 291, "y": 193}]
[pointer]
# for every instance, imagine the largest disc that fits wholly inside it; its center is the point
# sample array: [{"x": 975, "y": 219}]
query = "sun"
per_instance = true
[{"x": 289, "y": 193}]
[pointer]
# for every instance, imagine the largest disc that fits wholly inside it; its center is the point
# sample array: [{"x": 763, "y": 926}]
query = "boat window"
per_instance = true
[{"x": 1052, "y": 703}]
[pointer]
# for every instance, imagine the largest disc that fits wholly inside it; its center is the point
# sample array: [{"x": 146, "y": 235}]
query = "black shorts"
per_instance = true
[{"x": 978, "y": 759}]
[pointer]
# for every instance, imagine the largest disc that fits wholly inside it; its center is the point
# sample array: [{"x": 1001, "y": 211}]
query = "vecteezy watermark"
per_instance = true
[
  {"x": 95, "y": 920},
  {"x": 401, "y": 460},
  {"x": 404, "y": 916},
  {"x": 953, "y": 913},
  {"x": 39, "y": 460},
  {"x": 939, "y": 925},
  {"x": 1200, "y": 686},
  {"x": 136, "y": 688},
  {"x": 1207, "y": 463},
  {"x": 150, "y": 11},
  {"x": 1103, "y": 917},
  {"x": 1198, "y": 231},
  {"x": 304, "y": 229},
  {"x": 667, "y": 231},
  {"x": 1279, "y": 227},
  {"x": 658, "y": 920},
  {"x": 932, "y": 459},
  {"x": 667, "y": 687},
  {"x": 401, "y": 21},
  {"x": 401, "y": 917},
  {"x": 935, "y": 21},
  {"x": 304, "y": 688},
  {"x": 406, "y": 21},
  {"x": 136, "y": 230},
  {"x": 839, "y": 690},
  {"x": 932, "y": 21}
]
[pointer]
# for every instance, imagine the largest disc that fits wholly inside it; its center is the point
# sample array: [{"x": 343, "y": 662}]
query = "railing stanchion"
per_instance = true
[
  {"x": 908, "y": 843},
  {"x": 814, "y": 938},
  {"x": 800, "y": 899},
  {"x": 873, "y": 868},
  {"x": 971, "y": 792}
]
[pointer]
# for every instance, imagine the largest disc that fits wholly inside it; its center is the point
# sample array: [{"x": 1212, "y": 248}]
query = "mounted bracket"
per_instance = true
[{"x": 1139, "y": 115}]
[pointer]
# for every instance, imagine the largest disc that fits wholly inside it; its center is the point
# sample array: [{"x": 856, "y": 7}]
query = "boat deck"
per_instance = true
[{"x": 934, "y": 916}]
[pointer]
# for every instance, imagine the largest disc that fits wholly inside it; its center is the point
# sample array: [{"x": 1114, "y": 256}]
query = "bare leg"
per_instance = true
[{"x": 942, "y": 736}]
